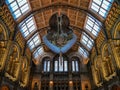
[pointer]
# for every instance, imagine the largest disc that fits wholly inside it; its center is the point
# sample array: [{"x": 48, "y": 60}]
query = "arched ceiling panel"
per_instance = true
[{"x": 76, "y": 10}]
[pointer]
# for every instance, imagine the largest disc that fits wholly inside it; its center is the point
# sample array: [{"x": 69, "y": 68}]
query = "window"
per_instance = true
[
  {"x": 60, "y": 64},
  {"x": 38, "y": 52},
  {"x": 101, "y": 6},
  {"x": 93, "y": 26},
  {"x": 83, "y": 52},
  {"x": 27, "y": 27},
  {"x": 87, "y": 41},
  {"x": 34, "y": 41},
  {"x": 18, "y": 7},
  {"x": 46, "y": 64},
  {"x": 75, "y": 64}
]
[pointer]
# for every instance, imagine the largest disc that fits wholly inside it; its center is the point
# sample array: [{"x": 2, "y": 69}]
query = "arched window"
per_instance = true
[
  {"x": 46, "y": 64},
  {"x": 75, "y": 64},
  {"x": 60, "y": 64}
]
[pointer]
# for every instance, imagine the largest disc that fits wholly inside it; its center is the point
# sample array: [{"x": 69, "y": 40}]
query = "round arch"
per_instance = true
[
  {"x": 115, "y": 29},
  {"x": 75, "y": 54},
  {"x": 14, "y": 45},
  {"x": 13, "y": 61},
  {"x": 46, "y": 54},
  {"x": 4, "y": 87},
  {"x": 4, "y": 37},
  {"x": 58, "y": 5},
  {"x": 116, "y": 41},
  {"x": 115, "y": 87}
]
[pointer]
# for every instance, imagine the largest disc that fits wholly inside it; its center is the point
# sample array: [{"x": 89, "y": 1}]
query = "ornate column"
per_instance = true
[
  {"x": 51, "y": 70},
  {"x": 51, "y": 75},
  {"x": 70, "y": 76}
]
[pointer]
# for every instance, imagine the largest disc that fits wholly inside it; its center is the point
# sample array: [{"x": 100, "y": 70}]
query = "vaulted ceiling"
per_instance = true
[{"x": 86, "y": 18}]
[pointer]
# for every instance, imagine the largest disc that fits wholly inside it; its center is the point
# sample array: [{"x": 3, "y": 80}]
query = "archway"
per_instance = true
[
  {"x": 3, "y": 45},
  {"x": 107, "y": 64},
  {"x": 116, "y": 36},
  {"x": 13, "y": 62},
  {"x": 4, "y": 87},
  {"x": 115, "y": 87}
]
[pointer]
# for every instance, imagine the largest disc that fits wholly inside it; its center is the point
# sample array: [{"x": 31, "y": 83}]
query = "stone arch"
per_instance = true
[
  {"x": 116, "y": 43},
  {"x": 36, "y": 84},
  {"x": 75, "y": 54},
  {"x": 46, "y": 57},
  {"x": 3, "y": 44},
  {"x": 107, "y": 64},
  {"x": 36, "y": 87},
  {"x": 4, "y": 87},
  {"x": 115, "y": 87},
  {"x": 50, "y": 55},
  {"x": 13, "y": 62}
]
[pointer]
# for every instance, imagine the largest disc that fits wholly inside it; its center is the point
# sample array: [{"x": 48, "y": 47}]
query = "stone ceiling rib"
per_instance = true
[{"x": 59, "y": 5}]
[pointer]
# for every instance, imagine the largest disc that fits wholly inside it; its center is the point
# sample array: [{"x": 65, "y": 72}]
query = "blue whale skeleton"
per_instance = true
[{"x": 60, "y": 38}]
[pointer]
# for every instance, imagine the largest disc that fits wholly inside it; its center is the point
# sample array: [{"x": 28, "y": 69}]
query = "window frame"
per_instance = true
[
  {"x": 25, "y": 26},
  {"x": 76, "y": 69},
  {"x": 56, "y": 59},
  {"x": 32, "y": 41},
  {"x": 97, "y": 7},
  {"x": 83, "y": 52},
  {"x": 38, "y": 52},
  {"x": 19, "y": 7},
  {"x": 48, "y": 65},
  {"x": 87, "y": 41},
  {"x": 92, "y": 25}
]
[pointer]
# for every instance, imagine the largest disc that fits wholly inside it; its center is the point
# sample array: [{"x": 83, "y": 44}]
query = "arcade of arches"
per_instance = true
[{"x": 78, "y": 49}]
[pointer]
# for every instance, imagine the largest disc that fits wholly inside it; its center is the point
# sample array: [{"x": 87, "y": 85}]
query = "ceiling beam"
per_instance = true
[
  {"x": 35, "y": 48},
  {"x": 60, "y": 5},
  {"x": 80, "y": 44},
  {"x": 83, "y": 30},
  {"x": 37, "y": 31}
]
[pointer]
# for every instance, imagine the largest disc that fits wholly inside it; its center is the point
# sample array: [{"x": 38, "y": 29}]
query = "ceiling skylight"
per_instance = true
[
  {"x": 34, "y": 41},
  {"x": 83, "y": 52},
  {"x": 101, "y": 6},
  {"x": 27, "y": 27},
  {"x": 18, "y": 7},
  {"x": 87, "y": 41},
  {"x": 38, "y": 52},
  {"x": 92, "y": 26}
]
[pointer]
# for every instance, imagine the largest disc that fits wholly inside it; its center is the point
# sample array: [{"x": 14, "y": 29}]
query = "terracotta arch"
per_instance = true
[
  {"x": 5, "y": 87},
  {"x": 115, "y": 87}
]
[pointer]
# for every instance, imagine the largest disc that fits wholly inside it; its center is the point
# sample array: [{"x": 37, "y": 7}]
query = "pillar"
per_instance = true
[
  {"x": 70, "y": 85},
  {"x": 51, "y": 85}
]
